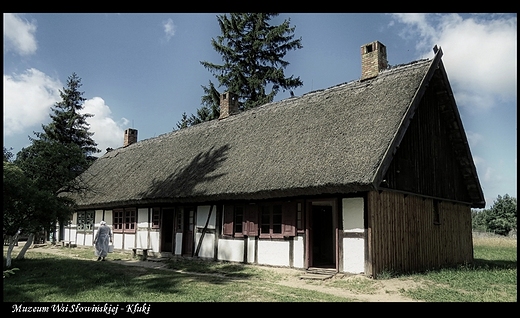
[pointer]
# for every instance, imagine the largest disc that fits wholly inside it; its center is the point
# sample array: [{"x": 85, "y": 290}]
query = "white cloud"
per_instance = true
[
  {"x": 107, "y": 132},
  {"x": 480, "y": 53},
  {"x": 27, "y": 99},
  {"x": 169, "y": 29},
  {"x": 19, "y": 34},
  {"x": 474, "y": 138}
]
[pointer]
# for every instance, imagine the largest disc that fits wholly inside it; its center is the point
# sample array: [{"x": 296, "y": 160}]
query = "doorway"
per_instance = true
[
  {"x": 167, "y": 233},
  {"x": 322, "y": 233},
  {"x": 188, "y": 233}
]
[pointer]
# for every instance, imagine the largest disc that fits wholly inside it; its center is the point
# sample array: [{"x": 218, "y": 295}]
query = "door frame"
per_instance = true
[{"x": 333, "y": 203}]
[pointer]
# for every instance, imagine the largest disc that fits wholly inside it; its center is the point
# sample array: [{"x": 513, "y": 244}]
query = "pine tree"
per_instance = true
[
  {"x": 252, "y": 52},
  {"x": 68, "y": 125}
]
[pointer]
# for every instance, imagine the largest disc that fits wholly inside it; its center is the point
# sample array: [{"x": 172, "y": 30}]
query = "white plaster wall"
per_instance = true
[
  {"x": 142, "y": 238},
  {"x": 108, "y": 217},
  {"x": 202, "y": 216},
  {"x": 353, "y": 248},
  {"x": 129, "y": 241},
  {"x": 142, "y": 218},
  {"x": 353, "y": 215},
  {"x": 178, "y": 243},
  {"x": 207, "y": 247},
  {"x": 251, "y": 249},
  {"x": 117, "y": 240},
  {"x": 353, "y": 255},
  {"x": 273, "y": 253},
  {"x": 154, "y": 241},
  {"x": 231, "y": 250},
  {"x": 298, "y": 248},
  {"x": 98, "y": 217}
]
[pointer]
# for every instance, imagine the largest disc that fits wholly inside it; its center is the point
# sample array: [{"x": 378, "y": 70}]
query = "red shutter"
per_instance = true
[
  {"x": 228, "y": 220},
  {"x": 289, "y": 219},
  {"x": 251, "y": 220}
]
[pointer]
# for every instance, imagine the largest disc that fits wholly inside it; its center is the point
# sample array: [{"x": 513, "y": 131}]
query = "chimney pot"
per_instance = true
[
  {"x": 228, "y": 105},
  {"x": 373, "y": 59},
  {"x": 130, "y": 137}
]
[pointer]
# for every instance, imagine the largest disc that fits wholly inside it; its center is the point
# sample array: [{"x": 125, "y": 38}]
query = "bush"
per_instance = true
[{"x": 499, "y": 219}]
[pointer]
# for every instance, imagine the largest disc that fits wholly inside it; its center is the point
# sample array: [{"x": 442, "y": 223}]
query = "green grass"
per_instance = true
[
  {"x": 45, "y": 277},
  {"x": 76, "y": 277},
  {"x": 491, "y": 278}
]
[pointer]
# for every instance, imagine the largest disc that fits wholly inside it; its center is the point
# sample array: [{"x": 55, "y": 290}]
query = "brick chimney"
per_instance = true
[
  {"x": 228, "y": 105},
  {"x": 130, "y": 137},
  {"x": 373, "y": 59}
]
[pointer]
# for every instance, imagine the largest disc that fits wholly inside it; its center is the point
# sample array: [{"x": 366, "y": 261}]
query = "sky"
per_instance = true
[{"x": 143, "y": 71}]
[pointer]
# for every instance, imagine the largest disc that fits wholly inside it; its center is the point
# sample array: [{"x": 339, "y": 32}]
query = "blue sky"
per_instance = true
[{"x": 142, "y": 70}]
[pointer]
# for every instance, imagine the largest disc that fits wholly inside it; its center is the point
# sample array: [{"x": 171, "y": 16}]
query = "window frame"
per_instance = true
[
  {"x": 156, "y": 218},
  {"x": 85, "y": 221},
  {"x": 271, "y": 211},
  {"x": 124, "y": 220}
]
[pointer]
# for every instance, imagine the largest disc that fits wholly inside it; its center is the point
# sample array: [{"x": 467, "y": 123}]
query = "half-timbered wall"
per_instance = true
[
  {"x": 411, "y": 233},
  {"x": 353, "y": 235},
  {"x": 425, "y": 162},
  {"x": 203, "y": 217}
]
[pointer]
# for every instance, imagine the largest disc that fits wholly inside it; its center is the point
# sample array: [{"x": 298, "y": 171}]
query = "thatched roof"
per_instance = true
[{"x": 324, "y": 142}]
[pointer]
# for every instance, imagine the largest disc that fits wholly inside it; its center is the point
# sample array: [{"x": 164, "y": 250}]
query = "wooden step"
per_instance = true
[
  {"x": 317, "y": 273},
  {"x": 321, "y": 270}
]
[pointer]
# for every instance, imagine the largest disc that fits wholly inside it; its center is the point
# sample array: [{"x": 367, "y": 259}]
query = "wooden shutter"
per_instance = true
[
  {"x": 228, "y": 220},
  {"x": 251, "y": 220},
  {"x": 289, "y": 219}
]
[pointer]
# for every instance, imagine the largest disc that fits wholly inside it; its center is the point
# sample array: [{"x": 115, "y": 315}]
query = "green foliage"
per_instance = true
[
  {"x": 501, "y": 218},
  {"x": 8, "y": 155},
  {"x": 51, "y": 165},
  {"x": 27, "y": 206},
  {"x": 68, "y": 125},
  {"x": 253, "y": 66}
]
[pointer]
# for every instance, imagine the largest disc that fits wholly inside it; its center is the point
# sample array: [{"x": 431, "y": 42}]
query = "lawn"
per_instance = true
[{"x": 74, "y": 276}]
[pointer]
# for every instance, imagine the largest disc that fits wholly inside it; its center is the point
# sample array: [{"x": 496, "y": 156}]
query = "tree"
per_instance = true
[
  {"x": 54, "y": 168},
  {"x": 26, "y": 207},
  {"x": 503, "y": 215},
  {"x": 60, "y": 154},
  {"x": 8, "y": 155},
  {"x": 252, "y": 51},
  {"x": 68, "y": 125},
  {"x": 501, "y": 218},
  {"x": 210, "y": 108}
]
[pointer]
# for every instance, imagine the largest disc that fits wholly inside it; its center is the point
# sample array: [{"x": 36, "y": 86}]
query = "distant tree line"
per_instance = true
[{"x": 499, "y": 219}]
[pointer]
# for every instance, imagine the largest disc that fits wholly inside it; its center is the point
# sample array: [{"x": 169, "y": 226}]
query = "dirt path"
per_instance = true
[
  {"x": 374, "y": 291},
  {"x": 388, "y": 290}
]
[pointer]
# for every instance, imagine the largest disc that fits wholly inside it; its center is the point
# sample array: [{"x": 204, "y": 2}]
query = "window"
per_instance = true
[
  {"x": 85, "y": 221},
  {"x": 124, "y": 220},
  {"x": 271, "y": 221},
  {"x": 240, "y": 220},
  {"x": 299, "y": 217},
  {"x": 156, "y": 218}
]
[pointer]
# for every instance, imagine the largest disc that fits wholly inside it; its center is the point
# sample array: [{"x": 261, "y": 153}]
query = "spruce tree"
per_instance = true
[
  {"x": 252, "y": 51},
  {"x": 68, "y": 125},
  {"x": 253, "y": 66}
]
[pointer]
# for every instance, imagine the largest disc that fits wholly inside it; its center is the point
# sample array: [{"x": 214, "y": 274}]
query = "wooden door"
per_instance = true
[{"x": 188, "y": 231}]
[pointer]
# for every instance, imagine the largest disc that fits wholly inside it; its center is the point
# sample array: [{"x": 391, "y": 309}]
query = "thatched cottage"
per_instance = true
[{"x": 367, "y": 176}]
